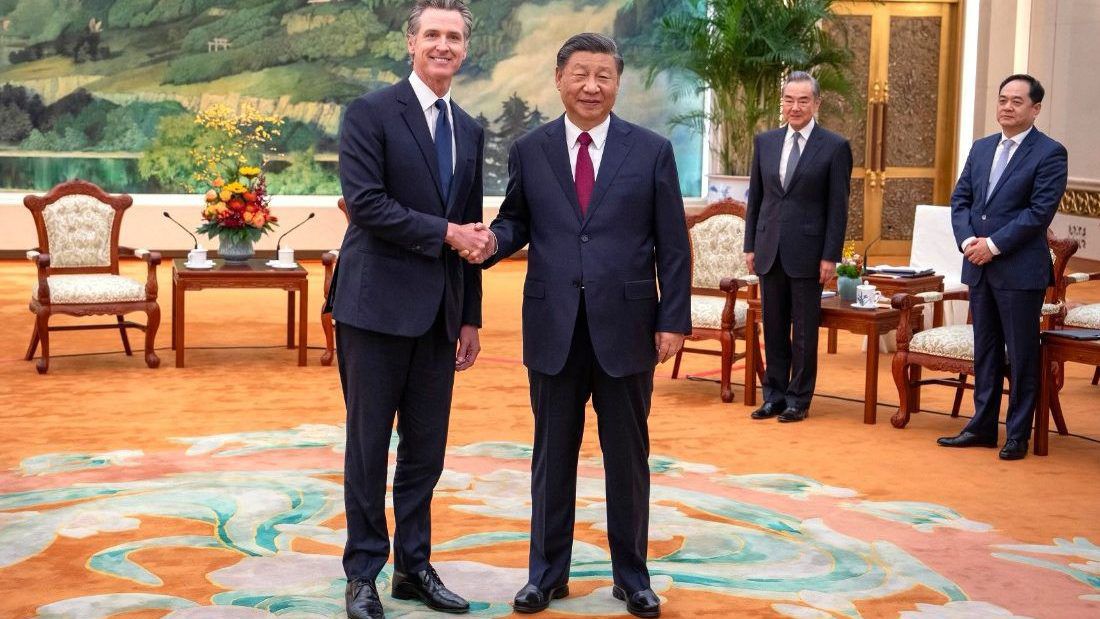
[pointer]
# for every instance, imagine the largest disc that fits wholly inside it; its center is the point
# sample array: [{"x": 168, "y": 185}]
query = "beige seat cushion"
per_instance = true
[
  {"x": 1086, "y": 316},
  {"x": 94, "y": 288},
  {"x": 953, "y": 342},
  {"x": 706, "y": 311}
]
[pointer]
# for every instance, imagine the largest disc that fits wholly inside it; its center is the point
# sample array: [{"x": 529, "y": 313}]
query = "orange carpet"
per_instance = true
[{"x": 215, "y": 490}]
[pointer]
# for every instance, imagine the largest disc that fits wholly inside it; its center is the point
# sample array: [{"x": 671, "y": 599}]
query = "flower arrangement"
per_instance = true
[
  {"x": 851, "y": 263},
  {"x": 236, "y": 209}
]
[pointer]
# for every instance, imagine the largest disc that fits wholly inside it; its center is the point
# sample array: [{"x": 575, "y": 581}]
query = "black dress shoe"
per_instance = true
[
  {"x": 644, "y": 603},
  {"x": 361, "y": 600},
  {"x": 531, "y": 599},
  {"x": 966, "y": 439},
  {"x": 791, "y": 413},
  {"x": 767, "y": 411},
  {"x": 426, "y": 587},
  {"x": 1014, "y": 450}
]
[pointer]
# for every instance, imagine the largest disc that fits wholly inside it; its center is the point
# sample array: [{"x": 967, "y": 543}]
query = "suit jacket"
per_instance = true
[
  {"x": 1015, "y": 215},
  {"x": 633, "y": 238},
  {"x": 805, "y": 223},
  {"x": 394, "y": 269}
]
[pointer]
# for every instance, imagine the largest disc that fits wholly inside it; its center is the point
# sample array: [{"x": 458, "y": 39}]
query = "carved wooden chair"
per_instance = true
[
  {"x": 1080, "y": 316},
  {"x": 77, "y": 259},
  {"x": 720, "y": 283},
  {"x": 328, "y": 259},
  {"x": 951, "y": 348}
]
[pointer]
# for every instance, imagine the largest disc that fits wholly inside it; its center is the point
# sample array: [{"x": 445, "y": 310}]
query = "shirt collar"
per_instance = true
[
  {"x": 1018, "y": 138},
  {"x": 598, "y": 133},
  {"x": 804, "y": 131},
  {"x": 424, "y": 95}
]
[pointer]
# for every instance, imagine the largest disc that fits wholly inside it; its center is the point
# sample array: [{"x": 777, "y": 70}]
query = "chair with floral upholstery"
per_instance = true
[
  {"x": 951, "y": 348},
  {"x": 1081, "y": 316},
  {"x": 720, "y": 283},
  {"x": 328, "y": 259},
  {"x": 77, "y": 259}
]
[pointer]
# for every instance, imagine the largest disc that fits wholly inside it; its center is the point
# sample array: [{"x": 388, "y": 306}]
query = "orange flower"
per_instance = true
[
  {"x": 211, "y": 196},
  {"x": 218, "y": 182}
]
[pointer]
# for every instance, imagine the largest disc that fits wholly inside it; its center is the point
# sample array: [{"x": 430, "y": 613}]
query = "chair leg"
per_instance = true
[
  {"x": 959, "y": 395},
  {"x": 43, "y": 329},
  {"x": 900, "y": 370},
  {"x": 125, "y": 338},
  {"x": 1055, "y": 402},
  {"x": 34, "y": 342},
  {"x": 727, "y": 366},
  {"x": 330, "y": 345},
  {"x": 152, "y": 310},
  {"x": 1096, "y": 376}
]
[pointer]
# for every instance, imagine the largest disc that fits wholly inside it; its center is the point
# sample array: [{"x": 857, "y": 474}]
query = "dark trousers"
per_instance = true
[
  {"x": 1005, "y": 318},
  {"x": 383, "y": 375},
  {"x": 791, "y": 310},
  {"x": 622, "y": 408}
]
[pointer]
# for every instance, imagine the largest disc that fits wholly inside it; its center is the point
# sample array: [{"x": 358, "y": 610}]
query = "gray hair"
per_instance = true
[
  {"x": 443, "y": 5},
  {"x": 802, "y": 76},
  {"x": 590, "y": 42}
]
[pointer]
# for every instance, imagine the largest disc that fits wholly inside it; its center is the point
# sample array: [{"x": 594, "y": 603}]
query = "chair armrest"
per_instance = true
[
  {"x": 1077, "y": 278},
  {"x": 42, "y": 263},
  {"x": 330, "y": 257},
  {"x": 151, "y": 258},
  {"x": 733, "y": 284},
  {"x": 906, "y": 303}
]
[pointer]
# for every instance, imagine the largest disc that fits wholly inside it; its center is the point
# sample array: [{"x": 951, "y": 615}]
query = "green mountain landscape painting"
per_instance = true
[{"x": 107, "y": 90}]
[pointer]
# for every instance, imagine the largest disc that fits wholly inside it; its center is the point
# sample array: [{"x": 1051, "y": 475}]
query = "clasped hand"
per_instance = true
[{"x": 473, "y": 241}]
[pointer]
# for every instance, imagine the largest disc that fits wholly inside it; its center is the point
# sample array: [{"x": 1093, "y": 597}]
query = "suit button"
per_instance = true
[
  {"x": 416, "y": 248},
  {"x": 576, "y": 283},
  {"x": 983, "y": 217},
  {"x": 584, "y": 238}
]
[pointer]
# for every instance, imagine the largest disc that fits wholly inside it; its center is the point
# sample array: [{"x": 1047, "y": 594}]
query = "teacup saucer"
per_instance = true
[
  {"x": 275, "y": 264},
  {"x": 199, "y": 265}
]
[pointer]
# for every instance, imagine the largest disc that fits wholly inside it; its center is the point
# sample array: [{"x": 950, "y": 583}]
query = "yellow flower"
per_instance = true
[
  {"x": 249, "y": 171},
  {"x": 225, "y": 194},
  {"x": 221, "y": 207},
  {"x": 235, "y": 187}
]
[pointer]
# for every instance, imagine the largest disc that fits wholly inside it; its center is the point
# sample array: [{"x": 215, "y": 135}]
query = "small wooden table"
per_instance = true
[
  {"x": 1056, "y": 350},
  {"x": 835, "y": 314},
  {"x": 252, "y": 274},
  {"x": 889, "y": 285}
]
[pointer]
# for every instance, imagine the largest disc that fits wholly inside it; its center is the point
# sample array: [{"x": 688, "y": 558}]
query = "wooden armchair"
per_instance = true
[
  {"x": 720, "y": 281},
  {"x": 77, "y": 259},
  {"x": 328, "y": 259},
  {"x": 1080, "y": 316},
  {"x": 951, "y": 348}
]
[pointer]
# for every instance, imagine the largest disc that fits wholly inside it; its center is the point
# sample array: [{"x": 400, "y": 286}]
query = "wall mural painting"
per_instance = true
[{"x": 107, "y": 90}]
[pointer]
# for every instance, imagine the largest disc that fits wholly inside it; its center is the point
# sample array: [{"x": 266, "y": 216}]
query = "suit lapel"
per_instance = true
[
  {"x": 464, "y": 150},
  {"x": 813, "y": 145},
  {"x": 615, "y": 151},
  {"x": 557, "y": 155},
  {"x": 1021, "y": 153},
  {"x": 775, "y": 157},
  {"x": 418, "y": 126},
  {"x": 984, "y": 163}
]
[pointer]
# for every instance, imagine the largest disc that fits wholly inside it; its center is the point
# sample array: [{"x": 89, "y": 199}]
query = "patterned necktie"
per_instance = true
[
  {"x": 443, "y": 148},
  {"x": 584, "y": 177},
  {"x": 792, "y": 161},
  {"x": 999, "y": 167}
]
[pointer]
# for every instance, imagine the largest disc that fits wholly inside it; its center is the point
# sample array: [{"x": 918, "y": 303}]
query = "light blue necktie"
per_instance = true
[
  {"x": 792, "y": 161},
  {"x": 443, "y": 148},
  {"x": 999, "y": 167}
]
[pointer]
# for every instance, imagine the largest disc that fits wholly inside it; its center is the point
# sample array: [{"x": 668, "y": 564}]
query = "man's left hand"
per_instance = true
[
  {"x": 668, "y": 344},
  {"x": 977, "y": 252},
  {"x": 826, "y": 272},
  {"x": 469, "y": 345}
]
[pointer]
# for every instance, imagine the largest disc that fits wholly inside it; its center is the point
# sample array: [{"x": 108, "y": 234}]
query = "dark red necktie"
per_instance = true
[{"x": 584, "y": 177}]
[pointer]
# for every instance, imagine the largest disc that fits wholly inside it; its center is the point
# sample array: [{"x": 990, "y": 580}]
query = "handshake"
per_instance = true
[{"x": 474, "y": 242}]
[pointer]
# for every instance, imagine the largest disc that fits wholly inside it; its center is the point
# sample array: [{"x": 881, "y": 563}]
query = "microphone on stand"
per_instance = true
[
  {"x": 889, "y": 228},
  {"x": 279, "y": 243},
  {"x": 184, "y": 229}
]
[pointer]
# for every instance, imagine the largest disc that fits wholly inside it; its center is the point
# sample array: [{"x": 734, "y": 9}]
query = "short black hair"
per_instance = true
[
  {"x": 593, "y": 42},
  {"x": 1035, "y": 91}
]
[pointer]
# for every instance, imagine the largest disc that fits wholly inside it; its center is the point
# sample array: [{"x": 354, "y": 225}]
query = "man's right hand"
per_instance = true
[
  {"x": 750, "y": 262},
  {"x": 471, "y": 241}
]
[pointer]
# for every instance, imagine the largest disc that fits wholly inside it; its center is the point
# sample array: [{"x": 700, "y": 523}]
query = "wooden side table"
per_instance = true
[
  {"x": 835, "y": 314},
  {"x": 1055, "y": 351},
  {"x": 889, "y": 285},
  {"x": 251, "y": 274}
]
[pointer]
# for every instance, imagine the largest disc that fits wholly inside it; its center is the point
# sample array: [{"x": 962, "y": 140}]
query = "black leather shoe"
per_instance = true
[
  {"x": 791, "y": 413},
  {"x": 361, "y": 600},
  {"x": 531, "y": 599},
  {"x": 644, "y": 603},
  {"x": 966, "y": 439},
  {"x": 767, "y": 411},
  {"x": 1014, "y": 450},
  {"x": 426, "y": 587}
]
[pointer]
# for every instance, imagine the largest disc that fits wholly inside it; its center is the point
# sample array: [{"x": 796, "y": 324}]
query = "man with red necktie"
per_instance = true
[{"x": 598, "y": 201}]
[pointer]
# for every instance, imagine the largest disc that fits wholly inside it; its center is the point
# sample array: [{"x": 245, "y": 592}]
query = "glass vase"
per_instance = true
[{"x": 234, "y": 250}]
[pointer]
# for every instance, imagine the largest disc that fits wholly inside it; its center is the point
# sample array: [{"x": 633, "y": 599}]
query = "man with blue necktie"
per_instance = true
[{"x": 1003, "y": 203}]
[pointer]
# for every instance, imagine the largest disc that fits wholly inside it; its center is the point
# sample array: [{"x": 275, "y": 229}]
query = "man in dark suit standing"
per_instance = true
[
  {"x": 410, "y": 170},
  {"x": 1003, "y": 204},
  {"x": 598, "y": 199},
  {"x": 794, "y": 233}
]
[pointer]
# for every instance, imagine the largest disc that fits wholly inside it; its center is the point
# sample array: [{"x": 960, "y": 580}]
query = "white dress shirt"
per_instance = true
[
  {"x": 1016, "y": 140},
  {"x": 427, "y": 100},
  {"x": 788, "y": 144},
  {"x": 595, "y": 149}
]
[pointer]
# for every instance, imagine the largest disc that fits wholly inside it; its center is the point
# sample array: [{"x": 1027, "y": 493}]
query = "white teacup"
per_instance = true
[
  {"x": 866, "y": 295},
  {"x": 286, "y": 255},
  {"x": 196, "y": 256}
]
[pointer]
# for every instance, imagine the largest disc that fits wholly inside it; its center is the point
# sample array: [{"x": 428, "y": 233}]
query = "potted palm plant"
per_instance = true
[{"x": 739, "y": 51}]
